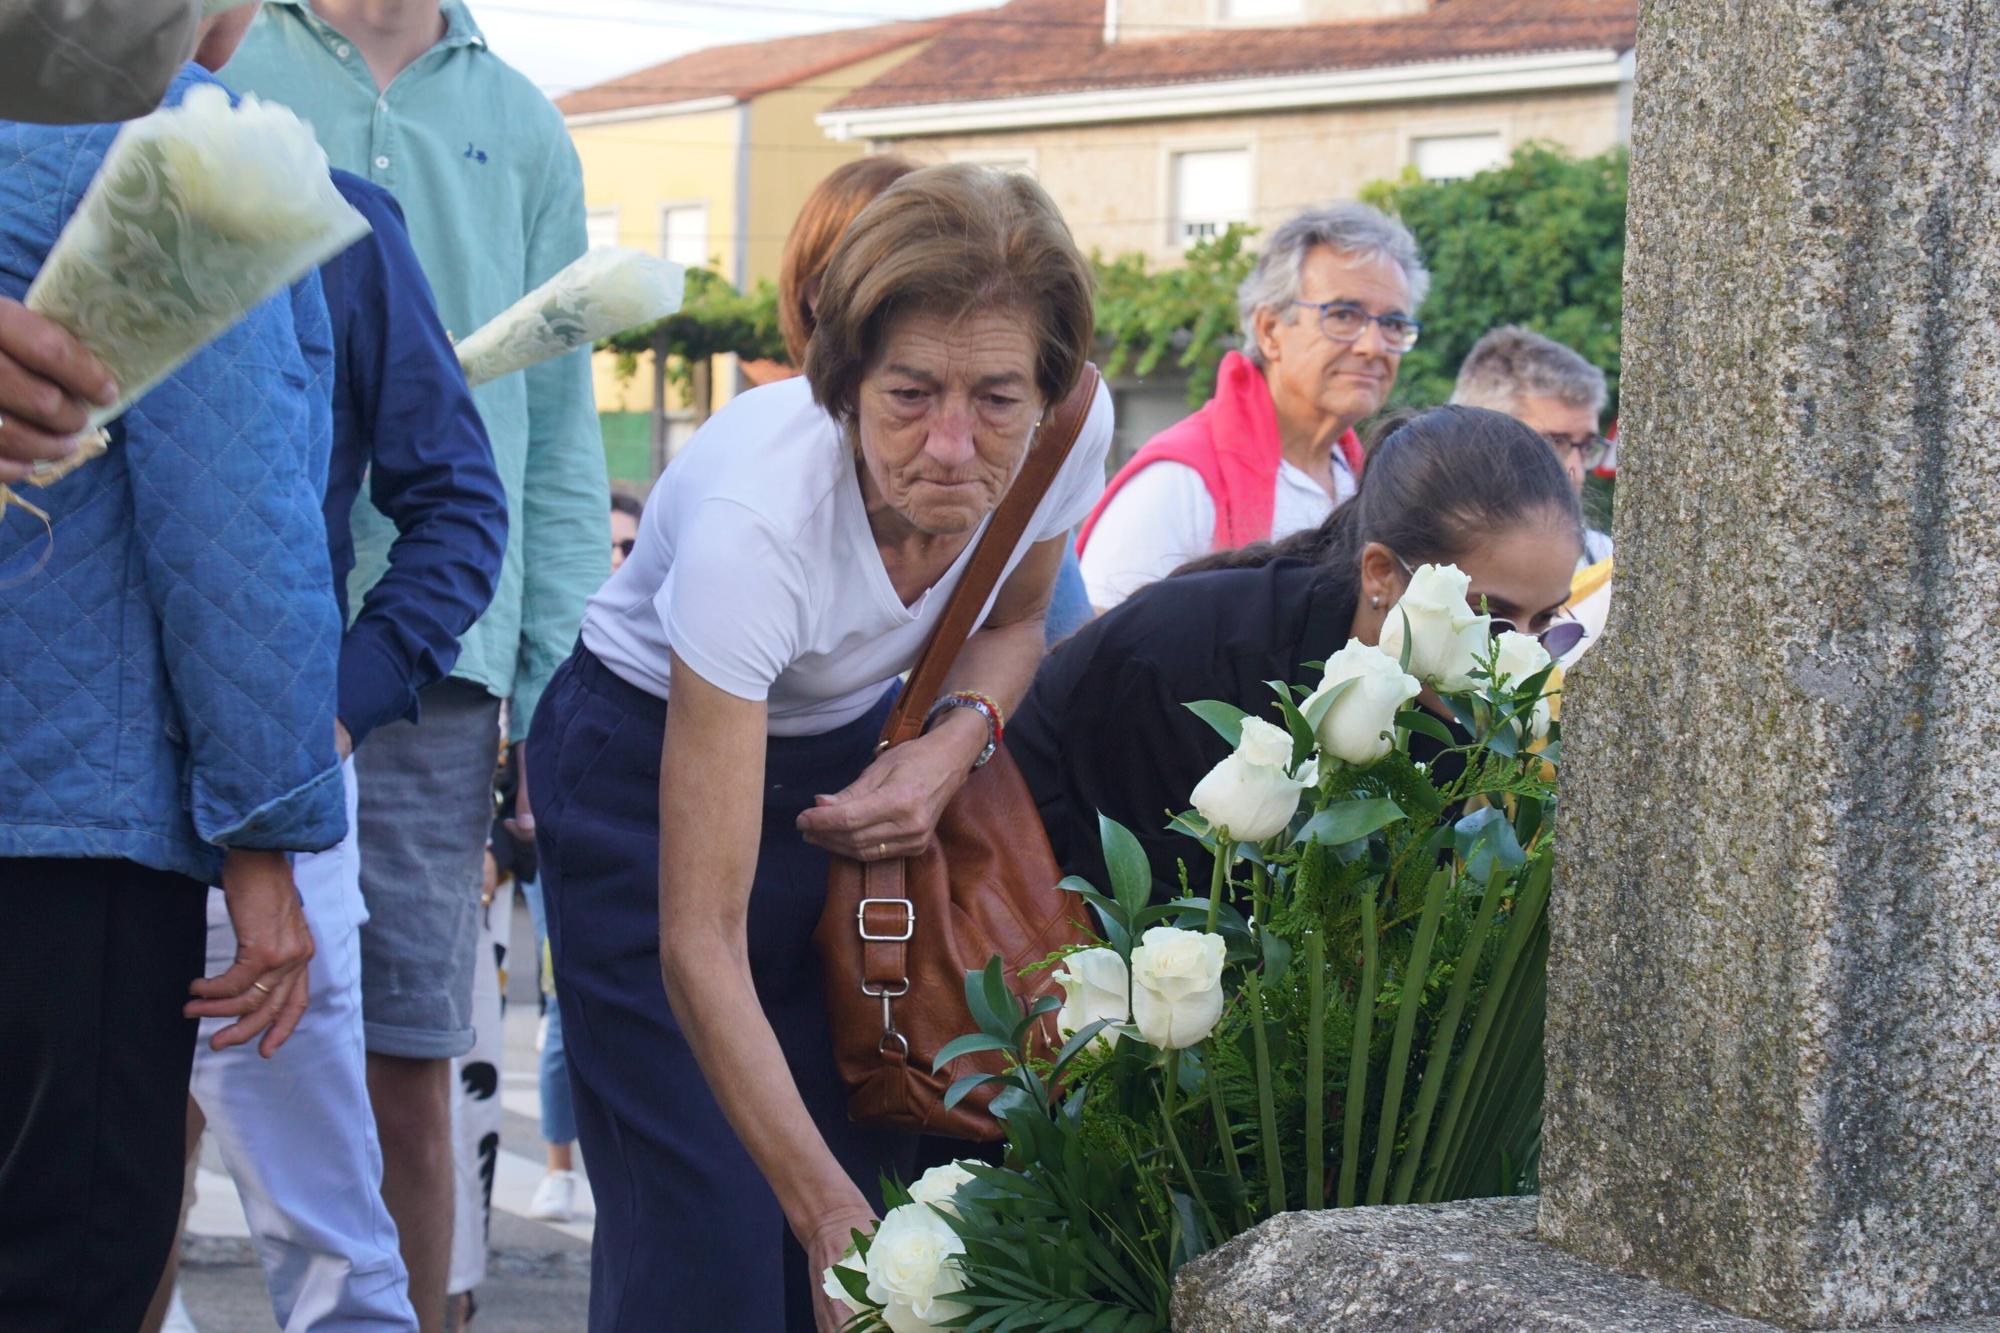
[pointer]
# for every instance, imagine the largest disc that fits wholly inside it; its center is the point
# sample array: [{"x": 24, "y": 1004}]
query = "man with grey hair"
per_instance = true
[
  {"x": 1550, "y": 389},
  {"x": 1327, "y": 316}
]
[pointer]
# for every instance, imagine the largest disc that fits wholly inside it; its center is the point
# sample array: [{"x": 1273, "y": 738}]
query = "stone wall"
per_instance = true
[{"x": 1774, "y": 1011}]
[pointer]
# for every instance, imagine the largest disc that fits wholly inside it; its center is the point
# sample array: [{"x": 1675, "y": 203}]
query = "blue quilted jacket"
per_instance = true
[{"x": 167, "y": 662}]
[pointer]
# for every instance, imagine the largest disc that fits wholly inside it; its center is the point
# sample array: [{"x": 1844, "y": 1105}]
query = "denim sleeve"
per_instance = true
[
  {"x": 431, "y": 472},
  {"x": 565, "y": 497},
  {"x": 226, "y": 459}
]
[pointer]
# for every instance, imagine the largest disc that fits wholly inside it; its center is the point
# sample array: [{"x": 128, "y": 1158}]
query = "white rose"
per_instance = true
[
  {"x": 1253, "y": 793},
  {"x": 1522, "y": 656},
  {"x": 1355, "y": 728},
  {"x": 911, "y": 1265},
  {"x": 937, "y": 1186},
  {"x": 1096, "y": 984},
  {"x": 1446, "y": 637},
  {"x": 1176, "y": 986},
  {"x": 829, "y": 1282}
]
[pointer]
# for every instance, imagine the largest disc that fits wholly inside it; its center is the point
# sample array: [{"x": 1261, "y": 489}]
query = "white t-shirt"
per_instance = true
[
  {"x": 755, "y": 562},
  {"x": 1163, "y": 517}
]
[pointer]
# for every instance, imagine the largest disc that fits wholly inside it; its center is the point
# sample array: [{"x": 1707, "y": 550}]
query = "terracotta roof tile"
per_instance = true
[
  {"x": 747, "y": 69},
  {"x": 1056, "y": 46}
]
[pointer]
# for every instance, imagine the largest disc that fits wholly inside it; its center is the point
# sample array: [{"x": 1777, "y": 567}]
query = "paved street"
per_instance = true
[{"x": 537, "y": 1273}]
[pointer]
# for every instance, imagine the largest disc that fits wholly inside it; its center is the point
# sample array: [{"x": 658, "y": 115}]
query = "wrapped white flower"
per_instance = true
[
  {"x": 1096, "y": 985},
  {"x": 1254, "y": 792},
  {"x": 1176, "y": 986},
  {"x": 1355, "y": 725},
  {"x": 938, "y": 1186},
  {"x": 607, "y": 291},
  {"x": 1446, "y": 637},
  {"x": 912, "y": 1266},
  {"x": 199, "y": 213},
  {"x": 1521, "y": 656}
]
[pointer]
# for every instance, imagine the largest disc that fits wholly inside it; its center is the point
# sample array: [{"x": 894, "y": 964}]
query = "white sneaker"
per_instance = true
[{"x": 555, "y": 1198}]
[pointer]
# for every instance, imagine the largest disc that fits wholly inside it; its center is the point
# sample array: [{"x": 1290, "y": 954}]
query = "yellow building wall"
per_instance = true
[
  {"x": 1113, "y": 183},
  {"x": 638, "y": 166},
  {"x": 790, "y": 153}
]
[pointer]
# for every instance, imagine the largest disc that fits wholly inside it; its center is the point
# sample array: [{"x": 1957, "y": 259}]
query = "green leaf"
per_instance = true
[
  {"x": 1422, "y": 720},
  {"x": 970, "y": 1044},
  {"x": 957, "y": 1091},
  {"x": 1345, "y": 821},
  {"x": 1078, "y": 1040},
  {"x": 1277, "y": 955},
  {"x": 992, "y": 1005},
  {"x": 1483, "y": 840},
  {"x": 1227, "y": 719},
  {"x": 1131, "y": 873},
  {"x": 1295, "y": 722}
]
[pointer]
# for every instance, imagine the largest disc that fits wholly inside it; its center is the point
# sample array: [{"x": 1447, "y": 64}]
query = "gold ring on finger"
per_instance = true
[
  {"x": 882, "y": 849},
  {"x": 260, "y": 986}
]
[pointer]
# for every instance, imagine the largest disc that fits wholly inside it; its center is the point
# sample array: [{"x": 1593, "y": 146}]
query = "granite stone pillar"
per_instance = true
[{"x": 1774, "y": 1007}]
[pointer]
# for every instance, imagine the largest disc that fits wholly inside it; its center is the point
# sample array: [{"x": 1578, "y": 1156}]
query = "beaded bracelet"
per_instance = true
[{"x": 984, "y": 705}]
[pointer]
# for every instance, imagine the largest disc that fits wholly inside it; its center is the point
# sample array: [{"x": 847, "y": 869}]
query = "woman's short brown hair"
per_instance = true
[
  {"x": 950, "y": 241},
  {"x": 834, "y": 202}
]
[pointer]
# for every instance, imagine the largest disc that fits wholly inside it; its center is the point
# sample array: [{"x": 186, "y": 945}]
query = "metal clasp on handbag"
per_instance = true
[
  {"x": 889, "y": 1033},
  {"x": 909, "y": 920}
]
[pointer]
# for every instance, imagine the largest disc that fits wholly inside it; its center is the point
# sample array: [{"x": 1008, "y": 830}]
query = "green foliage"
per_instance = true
[
  {"x": 715, "y": 319},
  {"x": 1539, "y": 241},
  {"x": 1184, "y": 317}
]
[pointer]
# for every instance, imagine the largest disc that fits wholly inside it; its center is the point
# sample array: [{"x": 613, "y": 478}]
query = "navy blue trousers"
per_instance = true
[{"x": 688, "y": 1235}]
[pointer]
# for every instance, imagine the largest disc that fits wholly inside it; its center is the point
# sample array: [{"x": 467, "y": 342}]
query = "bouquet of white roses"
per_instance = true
[
  {"x": 198, "y": 213},
  {"x": 1355, "y": 1020},
  {"x": 606, "y": 291}
]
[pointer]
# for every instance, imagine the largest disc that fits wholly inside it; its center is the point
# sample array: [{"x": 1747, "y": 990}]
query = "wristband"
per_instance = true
[{"x": 984, "y": 705}]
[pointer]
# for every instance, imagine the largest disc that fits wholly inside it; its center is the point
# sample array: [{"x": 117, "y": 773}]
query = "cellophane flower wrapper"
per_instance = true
[
  {"x": 606, "y": 291},
  {"x": 199, "y": 213}
]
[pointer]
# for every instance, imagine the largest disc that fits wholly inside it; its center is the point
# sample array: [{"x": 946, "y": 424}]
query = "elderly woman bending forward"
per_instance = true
[{"x": 712, "y": 739}]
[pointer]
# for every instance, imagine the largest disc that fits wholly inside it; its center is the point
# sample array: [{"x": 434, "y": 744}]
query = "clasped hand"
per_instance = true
[{"x": 891, "y": 809}]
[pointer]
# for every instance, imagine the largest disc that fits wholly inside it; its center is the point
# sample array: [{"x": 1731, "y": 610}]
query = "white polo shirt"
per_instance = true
[{"x": 756, "y": 564}]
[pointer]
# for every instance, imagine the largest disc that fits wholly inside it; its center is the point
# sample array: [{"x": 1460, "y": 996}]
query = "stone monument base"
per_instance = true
[{"x": 1472, "y": 1267}]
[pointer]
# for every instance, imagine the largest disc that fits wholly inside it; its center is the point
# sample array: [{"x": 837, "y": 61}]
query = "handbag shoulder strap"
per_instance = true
[{"x": 1051, "y": 447}]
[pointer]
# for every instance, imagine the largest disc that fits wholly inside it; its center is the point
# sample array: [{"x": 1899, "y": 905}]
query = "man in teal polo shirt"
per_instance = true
[{"x": 406, "y": 94}]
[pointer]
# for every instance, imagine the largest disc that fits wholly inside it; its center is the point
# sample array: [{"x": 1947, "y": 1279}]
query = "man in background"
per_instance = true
[
  {"x": 406, "y": 94},
  {"x": 1550, "y": 389}
]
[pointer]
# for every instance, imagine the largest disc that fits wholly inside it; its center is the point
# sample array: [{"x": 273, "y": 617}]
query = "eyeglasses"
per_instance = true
[
  {"x": 1590, "y": 448},
  {"x": 1344, "y": 321}
]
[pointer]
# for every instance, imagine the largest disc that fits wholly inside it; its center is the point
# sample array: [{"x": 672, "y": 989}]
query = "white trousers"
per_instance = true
[
  {"x": 297, "y": 1131},
  {"x": 475, "y": 1101}
]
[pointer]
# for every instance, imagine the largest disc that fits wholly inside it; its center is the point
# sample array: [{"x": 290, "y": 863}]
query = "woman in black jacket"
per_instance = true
[{"x": 1104, "y": 729}]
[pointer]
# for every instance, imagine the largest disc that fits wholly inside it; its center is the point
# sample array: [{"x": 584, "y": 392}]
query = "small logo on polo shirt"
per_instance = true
[{"x": 475, "y": 154}]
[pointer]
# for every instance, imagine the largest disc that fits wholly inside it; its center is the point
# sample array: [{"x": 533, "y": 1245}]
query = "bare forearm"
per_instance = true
[
  {"x": 1000, "y": 661},
  {"x": 708, "y": 983}
]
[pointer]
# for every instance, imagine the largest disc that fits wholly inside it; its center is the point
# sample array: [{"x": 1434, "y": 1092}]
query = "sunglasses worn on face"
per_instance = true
[{"x": 1556, "y": 640}]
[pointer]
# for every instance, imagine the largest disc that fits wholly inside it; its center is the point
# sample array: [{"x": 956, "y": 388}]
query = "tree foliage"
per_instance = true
[
  {"x": 1539, "y": 241},
  {"x": 715, "y": 319},
  {"x": 1184, "y": 317}
]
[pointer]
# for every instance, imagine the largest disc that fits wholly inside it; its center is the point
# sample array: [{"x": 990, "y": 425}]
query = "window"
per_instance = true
[
  {"x": 1455, "y": 156},
  {"x": 1260, "y": 9},
  {"x": 1211, "y": 189},
  {"x": 684, "y": 234},
  {"x": 601, "y": 225},
  {"x": 1023, "y": 163}
]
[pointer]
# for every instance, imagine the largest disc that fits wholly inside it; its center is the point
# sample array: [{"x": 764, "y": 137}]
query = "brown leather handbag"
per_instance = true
[{"x": 897, "y": 937}]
